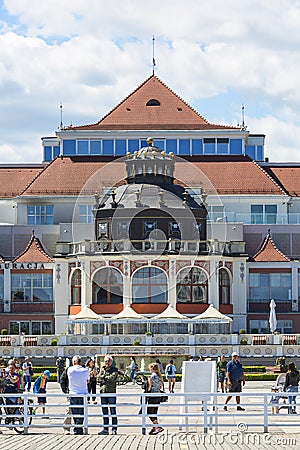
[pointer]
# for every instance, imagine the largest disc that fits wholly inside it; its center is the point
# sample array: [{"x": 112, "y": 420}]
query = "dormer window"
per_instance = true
[
  {"x": 102, "y": 228},
  {"x": 153, "y": 102}
]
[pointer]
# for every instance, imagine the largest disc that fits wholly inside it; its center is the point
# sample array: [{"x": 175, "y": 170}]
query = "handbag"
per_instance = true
[{"x": 163, "y": 398}]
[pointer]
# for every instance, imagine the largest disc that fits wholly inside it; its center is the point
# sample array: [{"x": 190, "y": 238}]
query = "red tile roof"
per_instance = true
[
  {"x": 268, "y": 252},
  {"x": 173, "y": 113},
  {"x": 14, "y": 179},
  {"x": 289, "y": 177},
  {"x": 227, "y": 175},
  {"x": 76, "y": 175},
  {"x": 34, "y": 252}
]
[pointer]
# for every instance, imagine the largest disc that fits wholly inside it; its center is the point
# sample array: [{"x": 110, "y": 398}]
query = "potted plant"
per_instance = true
[
  {"x": 244, "y": 341},
  {"x": 242, "y": 331},
  {"x": 136, "y": 342},
  {"x": 53, "y": 342},
  {"x": 3, "y": 331}
]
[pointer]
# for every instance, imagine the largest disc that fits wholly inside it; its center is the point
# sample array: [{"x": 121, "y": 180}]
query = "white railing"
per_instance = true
[
  {"x": 204, "y": 412},
  {"x": 191, "y": 246}
]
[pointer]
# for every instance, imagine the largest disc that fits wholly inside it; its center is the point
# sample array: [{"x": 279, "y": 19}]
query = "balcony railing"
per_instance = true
[
  {"x": 263, "y": 306},
  {"x": 255, "y": 219},
  {"x": 170, "y": 246}
]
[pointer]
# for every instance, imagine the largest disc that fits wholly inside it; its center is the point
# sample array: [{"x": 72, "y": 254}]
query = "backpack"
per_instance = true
[
  {"x": 37, "y": 385},
  {"x": 136, "y": 367},
  {"x": 30, "y": 369},
  {"x": 170, "y": 369},
  {"x": 64, "y": 381}
]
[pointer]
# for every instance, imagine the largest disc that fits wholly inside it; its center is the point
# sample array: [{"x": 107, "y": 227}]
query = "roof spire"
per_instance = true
[
  {"x": 153, "y": 58},
  {"x": 61, "y": 126}
]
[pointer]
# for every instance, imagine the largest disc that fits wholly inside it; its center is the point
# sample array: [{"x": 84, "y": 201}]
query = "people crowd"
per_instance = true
[{"x": 78, "y": 380}]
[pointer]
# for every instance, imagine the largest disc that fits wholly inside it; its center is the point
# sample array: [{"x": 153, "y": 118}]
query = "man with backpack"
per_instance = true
[{"x": 170, "y": 373}]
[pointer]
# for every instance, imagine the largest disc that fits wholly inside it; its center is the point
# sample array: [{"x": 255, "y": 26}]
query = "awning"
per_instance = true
[
  {"x": 170, "y": 314},
  {"x": 212, "y": 315}
]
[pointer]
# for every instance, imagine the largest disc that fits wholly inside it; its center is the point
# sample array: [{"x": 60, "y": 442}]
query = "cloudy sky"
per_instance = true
[{"x": 90, "y": 54}]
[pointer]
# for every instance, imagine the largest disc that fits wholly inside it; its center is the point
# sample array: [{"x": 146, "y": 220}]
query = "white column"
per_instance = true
[
  {"x": 213, "y": 283},
  {"x": 86, "y": 285},
  {"x": 7, "y": 289},
  {"x": 172, "y": 297}
]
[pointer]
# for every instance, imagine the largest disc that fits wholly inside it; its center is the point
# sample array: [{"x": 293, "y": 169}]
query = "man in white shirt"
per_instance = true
[
  {"x": 78, "y": 379},
  {"x": 27, "y": 372}
]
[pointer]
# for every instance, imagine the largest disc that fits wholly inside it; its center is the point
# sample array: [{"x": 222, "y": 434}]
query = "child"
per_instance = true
[
  {"x": 39, "y": 387},
  {"x": 275, "y": 400}
]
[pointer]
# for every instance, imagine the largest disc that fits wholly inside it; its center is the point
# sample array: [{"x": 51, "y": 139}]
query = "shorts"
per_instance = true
[
  {"x": 236, "y": 386},
  {"x": 221, "y": 377},
  {"x": 42, "y": 400}
]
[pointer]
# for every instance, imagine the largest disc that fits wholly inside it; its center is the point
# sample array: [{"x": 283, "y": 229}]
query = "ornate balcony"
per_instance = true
[{"x": 171, "y": 246}]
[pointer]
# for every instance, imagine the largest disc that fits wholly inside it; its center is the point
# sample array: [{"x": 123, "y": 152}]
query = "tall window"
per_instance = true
[
  {"x": 149, "y": 285},
  {"x": 265, "y": 286},
  {"x": 28, "y": 327},
  {"x": 85, "y": 214},
  {"x": 192, "y": 286},
  {"x": 224, "y": 287},
  {"x": 107, "y": 286},
  {"x": 32, "y": 287},
  {"x": 263, "y": 214},
  {"x": 40, "y": 215},
  {"x": 1, "y": 286},
  {"x": 76, "y": 287}
]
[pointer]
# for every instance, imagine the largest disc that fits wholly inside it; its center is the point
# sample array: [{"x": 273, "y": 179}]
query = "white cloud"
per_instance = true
[{"x": 90, "y": 54}]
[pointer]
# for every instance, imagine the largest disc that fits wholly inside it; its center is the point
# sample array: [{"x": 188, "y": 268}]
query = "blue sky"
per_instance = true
[{"x": 90, "y": 54}]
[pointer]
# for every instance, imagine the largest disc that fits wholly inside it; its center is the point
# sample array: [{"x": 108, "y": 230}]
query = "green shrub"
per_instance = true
[
  {"x": 260, "y": 376},
  {"x": 3, "y": 331},
  {"x": 243, "y": 341},
  {"x": 136, "y": 342},
  {"x": 242, "y": 331},
  {"x": 254, "y": 331},
  {"x": 254, "y": 369},
  {"x": 53, "y": 342}
]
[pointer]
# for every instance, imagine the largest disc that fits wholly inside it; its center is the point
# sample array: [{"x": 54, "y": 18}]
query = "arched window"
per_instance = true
[
  {"x": 224, "y": 287},
  {"x": 76, "y": 287},
  {"x": 192, "y": 286},
  {"x": 107, "y": 286},
  {"x": 153, "y": 102},
  {"x": 149, "y": 285}
]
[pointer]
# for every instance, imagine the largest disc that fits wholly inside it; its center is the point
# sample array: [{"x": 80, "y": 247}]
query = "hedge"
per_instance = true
[
  {"x": 260, "y": 376},
  {"x": 254, "y": 369}
]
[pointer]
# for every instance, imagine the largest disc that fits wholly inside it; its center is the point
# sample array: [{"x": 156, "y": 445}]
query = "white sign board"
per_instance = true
[{"x": 198, "y": 376}]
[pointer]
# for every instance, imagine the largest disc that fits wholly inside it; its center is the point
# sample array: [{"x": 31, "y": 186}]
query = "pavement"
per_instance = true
[{"x": 234, "y": 429}]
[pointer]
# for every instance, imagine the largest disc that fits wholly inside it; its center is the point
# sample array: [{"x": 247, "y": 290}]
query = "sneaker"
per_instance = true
[
  {"x": 225, "y": 408},
  {"x": 152, "y": 431},
  {"x": 158, "y": 430},
  {"x": 114, "y": 432},
  {"x": 239, "y": 408},
  {"x": 103, "y": 432},
  {"x": 294, "y": 412}
]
